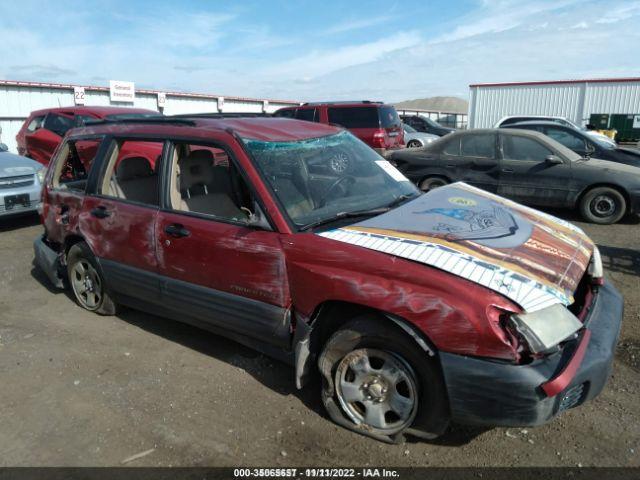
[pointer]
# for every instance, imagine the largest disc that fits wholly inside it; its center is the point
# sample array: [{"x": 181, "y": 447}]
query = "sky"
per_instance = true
[{"x": 318, "y": 50}]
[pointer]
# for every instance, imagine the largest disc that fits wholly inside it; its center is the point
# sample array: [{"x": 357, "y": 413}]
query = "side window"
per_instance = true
[
  {"x": 204, "y": 180},
  {"x": 480, "y": 145},
  {"x": 58, "y": 124},
  {"x": 452, "y": 147},
  {"x": 35, "y": 123},
  {"x": 308, "y": 114},
  {"x": 523, "y": 148},
  {"x": 132, "y": 172},
  {"x": 73, "y": 164},
  {"x": 566, "y": 138},
  {"x": 354, "y": 117}
]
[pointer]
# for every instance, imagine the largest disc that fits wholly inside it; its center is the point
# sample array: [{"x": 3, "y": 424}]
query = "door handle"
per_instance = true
[
  {"x": 507, "y": 170},
  {"x": 176, "y": 230},
  {"x": 100, "y": 212}
]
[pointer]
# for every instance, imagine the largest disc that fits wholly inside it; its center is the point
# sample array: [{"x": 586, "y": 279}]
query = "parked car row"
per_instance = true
[{"x": 529, "y": 167}]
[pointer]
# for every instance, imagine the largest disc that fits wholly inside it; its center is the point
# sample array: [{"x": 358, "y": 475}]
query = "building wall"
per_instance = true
[
  {"x": 575, "y": 100},
  {"x": 18, "y": 101}
]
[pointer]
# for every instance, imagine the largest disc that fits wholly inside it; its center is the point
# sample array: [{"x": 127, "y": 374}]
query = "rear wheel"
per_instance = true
[
  {"x": 87, "y": 281},
  {"x": 414, "y": 144},
  {"x": 603, "y": 205},
  {"x": 378, "y": 382},
  {"x": 431, "y": 183}
]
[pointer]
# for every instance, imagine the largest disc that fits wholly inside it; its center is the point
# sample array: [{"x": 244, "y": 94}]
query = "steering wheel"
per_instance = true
[{"x": 334, "y": 186}]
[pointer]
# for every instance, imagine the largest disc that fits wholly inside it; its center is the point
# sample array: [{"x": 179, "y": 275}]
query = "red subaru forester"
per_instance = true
[{"x": 416, "y": 309}]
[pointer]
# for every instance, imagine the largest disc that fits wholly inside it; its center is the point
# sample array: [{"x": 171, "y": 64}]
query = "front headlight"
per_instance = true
[
  {"x": 546, "y": 328},
  {"x": 40, "y": 174}
]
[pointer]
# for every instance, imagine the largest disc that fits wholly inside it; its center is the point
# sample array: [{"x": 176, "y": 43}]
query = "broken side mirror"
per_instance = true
[
  {"x": 553, "y": 160},
  {"x": 257, "y": 219}
]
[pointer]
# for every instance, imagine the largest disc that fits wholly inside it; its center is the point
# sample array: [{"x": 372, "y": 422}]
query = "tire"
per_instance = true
[
  {"x": 414, "y": 144},
  {"x": 87, "y": 281},
  {"x": 431, "y": 183},
  {"x": 603, "y": 205},
  {"x": 377, "y": 381}
]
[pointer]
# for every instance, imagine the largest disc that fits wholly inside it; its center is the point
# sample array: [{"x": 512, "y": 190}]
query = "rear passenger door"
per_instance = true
[
  {"x": 478, "y": 163},
  {"x": 119, "y": 217},
  {"x": 527, "y": 177},
  {"x": 67, "y": 183},
  {"x": 219, "y": 271}
]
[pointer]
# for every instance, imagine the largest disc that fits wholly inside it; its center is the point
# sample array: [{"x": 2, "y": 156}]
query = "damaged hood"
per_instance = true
[{"x": 534, "y": 259}]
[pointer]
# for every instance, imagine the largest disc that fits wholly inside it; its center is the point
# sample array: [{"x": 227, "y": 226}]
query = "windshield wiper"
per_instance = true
[
  {"x": 400, "y": 199},
  {"x": 341, "y": 215}
]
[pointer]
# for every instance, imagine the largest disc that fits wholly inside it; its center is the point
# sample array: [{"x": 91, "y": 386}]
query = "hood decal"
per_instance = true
[{"x": 532, "y": 258}]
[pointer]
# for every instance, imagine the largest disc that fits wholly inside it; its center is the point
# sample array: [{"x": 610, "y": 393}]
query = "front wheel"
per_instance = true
[
  {"x": 87, "y": 281},
  {"x": 603, "y": 205},
  {"x": 378, "y": 382}
]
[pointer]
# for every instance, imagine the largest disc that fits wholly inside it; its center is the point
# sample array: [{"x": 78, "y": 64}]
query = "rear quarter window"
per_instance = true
[
  {"x": 35, "y": 123},
  {"x": 308, "y": 114},
  {"x": 285, "y": 113},
  {"x": 354, "y": 117},
  {"x": 389, "y": 117}
]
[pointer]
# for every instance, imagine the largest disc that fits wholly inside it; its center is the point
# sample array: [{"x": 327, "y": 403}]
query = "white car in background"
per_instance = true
[
  {"x": 511, "y": 119},
  {"x": 416, "y": 139},
  {"x": 20, "y": 183}
]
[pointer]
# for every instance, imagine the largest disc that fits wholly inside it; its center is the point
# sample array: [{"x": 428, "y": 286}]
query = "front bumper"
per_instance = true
[
  {"x": 33, "y": 191},
  {"x": 486, "y": 392}
]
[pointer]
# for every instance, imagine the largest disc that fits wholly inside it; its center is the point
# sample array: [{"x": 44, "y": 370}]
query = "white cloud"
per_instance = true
[{"x": 359, "y": 23}]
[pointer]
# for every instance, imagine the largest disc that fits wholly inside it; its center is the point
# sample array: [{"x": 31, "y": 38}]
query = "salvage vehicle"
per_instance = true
[
  {"x": 511, "y": 119},
  {"x": 417, "y": 310},
  {"x": 528, "y": 167},
  {"x": 416, "y": 139},
  {"x": 583, "y": 144},
  {"x": 42, "y": 131},
  {"x": 20, "y": 183},
  {"x": 375, "y": 123},
  {"x": 426, "y": 125}
]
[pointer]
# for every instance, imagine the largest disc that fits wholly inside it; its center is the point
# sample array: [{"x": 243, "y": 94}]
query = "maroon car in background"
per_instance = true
[
  {"x": 375, "y": 123},
  {"x": 42, "y": 132},
  {"x": 415, "y": 309}
]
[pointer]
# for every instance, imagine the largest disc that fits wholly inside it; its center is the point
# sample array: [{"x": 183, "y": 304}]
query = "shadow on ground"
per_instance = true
[
  {"x": 16, "y": 222},
  {"x": 621, "y": 260}
]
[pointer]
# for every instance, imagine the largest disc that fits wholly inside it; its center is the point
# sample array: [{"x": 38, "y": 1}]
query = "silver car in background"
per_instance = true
[
  {"x": 416, "y": 139},
  {"x": 20, "y": 183}
]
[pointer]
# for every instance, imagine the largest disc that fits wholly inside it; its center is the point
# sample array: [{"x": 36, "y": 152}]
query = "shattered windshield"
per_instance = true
[{"x": 319, "y": 178}]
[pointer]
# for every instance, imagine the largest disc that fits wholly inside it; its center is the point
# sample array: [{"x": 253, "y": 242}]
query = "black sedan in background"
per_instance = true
[
  {"x": 426, "y": 125},
  {"x": 528, "y": 167},
  {"x": 581, "y": 143}
]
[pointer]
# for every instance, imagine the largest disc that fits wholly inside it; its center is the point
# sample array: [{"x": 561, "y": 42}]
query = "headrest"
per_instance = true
[
  {"x": 196, "y": 169},
  {"x": 135, "y": 167}
]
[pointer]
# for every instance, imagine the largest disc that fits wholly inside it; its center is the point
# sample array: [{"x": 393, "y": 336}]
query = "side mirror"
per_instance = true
[
  {"x": 3, "y": 147},
  {"x": 553, "y": 160},
  {"x": 258, "y": 219},
  {"x": 590, "y": 149}
]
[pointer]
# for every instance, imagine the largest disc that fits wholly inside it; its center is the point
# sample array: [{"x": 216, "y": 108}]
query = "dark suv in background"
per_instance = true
[
  {"x": 375, "y": 123},
  {"x": 426, "y": 125}
]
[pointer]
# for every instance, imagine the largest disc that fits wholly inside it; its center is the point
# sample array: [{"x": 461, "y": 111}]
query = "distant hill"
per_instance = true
[{"x": 439, "y": 104}]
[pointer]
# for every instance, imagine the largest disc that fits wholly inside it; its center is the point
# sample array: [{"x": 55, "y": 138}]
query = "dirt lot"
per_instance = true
[{"x": 78, "y": 389}]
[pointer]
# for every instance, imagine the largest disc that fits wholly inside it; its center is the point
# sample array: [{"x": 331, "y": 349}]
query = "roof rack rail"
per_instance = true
[
  {"x": 342, "y": 102},
  {"x": 150, "y": 120},
  {"x": 221, "y": 115}
]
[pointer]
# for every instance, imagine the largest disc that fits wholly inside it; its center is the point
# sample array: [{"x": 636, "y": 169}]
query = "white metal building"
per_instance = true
[
  {"x": 573, "y": 99},
  {"x": 19, "y": 99}
]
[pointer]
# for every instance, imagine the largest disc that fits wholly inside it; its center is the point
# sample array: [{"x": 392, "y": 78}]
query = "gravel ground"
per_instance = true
[{"x": 78, "y": 389}]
